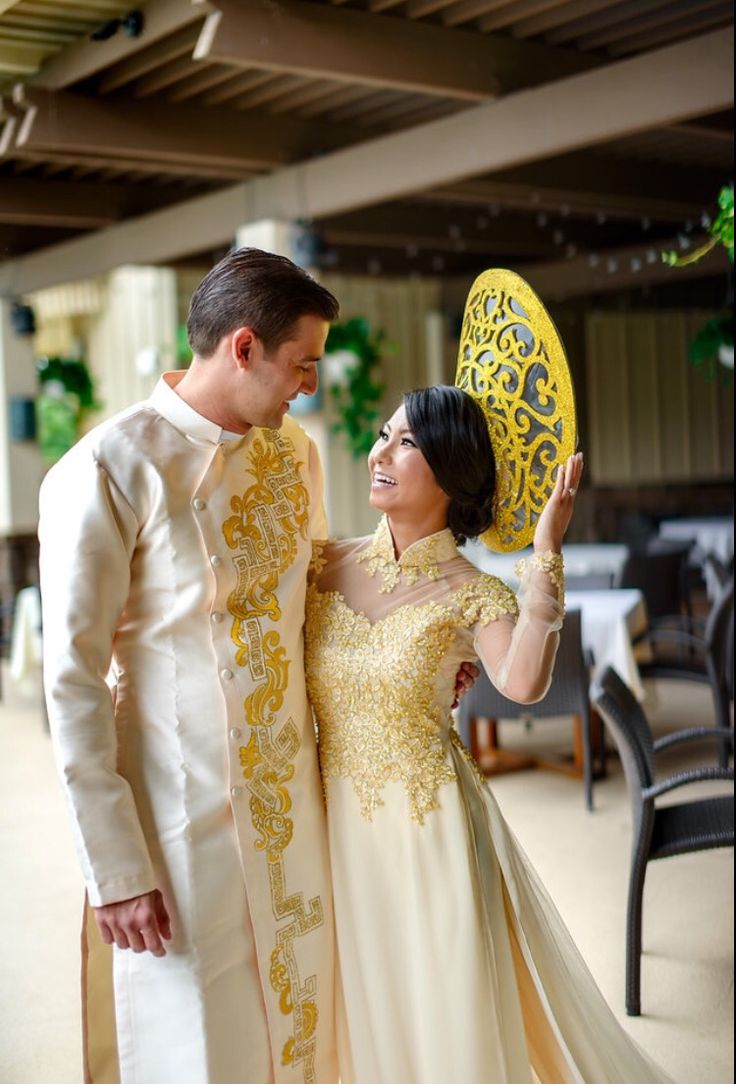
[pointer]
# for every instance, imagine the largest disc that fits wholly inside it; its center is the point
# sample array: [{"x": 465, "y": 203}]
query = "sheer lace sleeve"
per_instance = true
[{"x": 519, "y": 657}]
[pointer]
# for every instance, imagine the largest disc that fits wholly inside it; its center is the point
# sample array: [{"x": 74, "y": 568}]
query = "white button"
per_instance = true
[
  {"x": 215, "y": 560},
  {"x": 226, "y": 674},
  {"x": 216, "y": 616},
  {"x": 236, "y": 791},
  {"x": 235, "y": 733},
  {"x": 199, "y": 504}
]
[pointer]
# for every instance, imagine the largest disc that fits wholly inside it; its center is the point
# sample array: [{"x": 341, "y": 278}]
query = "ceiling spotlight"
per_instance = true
[{"x": 131, "y": 25}]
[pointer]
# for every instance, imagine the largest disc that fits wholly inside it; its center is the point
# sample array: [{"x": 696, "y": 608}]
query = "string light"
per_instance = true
[
  {"x": 593, "y": 260},
  {"x": 542, "y": 219},
  {"x": 481, "y": 222},
  {"x": 635, "y": 263},
  {"x": 646, "y": 223},
  {"x": 600, "y": 218}
]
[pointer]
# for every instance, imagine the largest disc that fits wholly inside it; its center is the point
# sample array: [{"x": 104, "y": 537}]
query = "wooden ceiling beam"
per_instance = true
[
  {"x": 382, "y": 51},
  {"x": 560, "y": 16},
  {"x": 671, "y": 85},
  {"x": 149, "y": 60},
  {"x": 72, "y": 124},
  {"x": 86, "y": 58}
]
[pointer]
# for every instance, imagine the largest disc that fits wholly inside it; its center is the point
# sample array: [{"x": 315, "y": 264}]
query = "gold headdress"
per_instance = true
[{"x": 512, "y": 361}]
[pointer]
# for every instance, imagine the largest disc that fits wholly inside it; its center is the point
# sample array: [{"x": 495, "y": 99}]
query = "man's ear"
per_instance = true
[{"x": 242, "y": 342}]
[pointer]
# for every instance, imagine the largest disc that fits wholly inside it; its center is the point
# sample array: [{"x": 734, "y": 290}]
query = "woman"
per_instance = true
[{"x": 453, "y": 962}]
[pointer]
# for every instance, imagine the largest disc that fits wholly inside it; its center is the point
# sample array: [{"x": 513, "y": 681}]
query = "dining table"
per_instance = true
[{"x": 710, "y": 534}]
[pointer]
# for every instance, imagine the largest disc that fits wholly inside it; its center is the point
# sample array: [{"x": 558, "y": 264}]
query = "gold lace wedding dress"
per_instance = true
[{"x": 454, "y": 964}]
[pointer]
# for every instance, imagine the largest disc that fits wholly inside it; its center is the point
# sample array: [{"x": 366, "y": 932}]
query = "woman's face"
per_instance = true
[{"x": 401, "y": 479}]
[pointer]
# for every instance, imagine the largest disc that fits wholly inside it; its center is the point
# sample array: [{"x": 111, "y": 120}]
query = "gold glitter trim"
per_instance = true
[{"x": 512, "y": 361}]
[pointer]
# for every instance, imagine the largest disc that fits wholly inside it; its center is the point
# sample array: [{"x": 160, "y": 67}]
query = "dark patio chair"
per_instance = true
[
  {"x": 660, "y": 831},
  {"x": 568, "y": 695},
  {"x": 680, "y": 654},
  {"x": 660, "y": 573}
]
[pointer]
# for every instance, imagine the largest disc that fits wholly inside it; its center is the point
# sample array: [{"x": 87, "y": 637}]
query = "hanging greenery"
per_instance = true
[
  {"x": 721, "y": 233},
  {"x": 713, "y": 343},
  {"x": 353, "y": 387},
  {"x": 65, "y": 396}
]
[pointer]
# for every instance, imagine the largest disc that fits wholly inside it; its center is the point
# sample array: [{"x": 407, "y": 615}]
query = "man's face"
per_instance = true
[{"x": 282, "y": 374}]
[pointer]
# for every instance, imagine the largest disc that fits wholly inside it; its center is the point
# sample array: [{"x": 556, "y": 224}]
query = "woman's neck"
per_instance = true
[{"x": 406, "y": 532}]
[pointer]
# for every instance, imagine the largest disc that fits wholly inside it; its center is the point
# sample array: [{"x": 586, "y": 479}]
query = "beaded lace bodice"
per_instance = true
[{"x": 384, "y": 640}]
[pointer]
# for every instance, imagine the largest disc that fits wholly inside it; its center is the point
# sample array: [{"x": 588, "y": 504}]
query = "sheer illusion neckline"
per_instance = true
[{"x": 421, "y": 558}]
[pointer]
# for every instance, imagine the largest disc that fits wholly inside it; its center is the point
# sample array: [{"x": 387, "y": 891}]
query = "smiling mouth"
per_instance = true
[{"x": 383, "y": 480}]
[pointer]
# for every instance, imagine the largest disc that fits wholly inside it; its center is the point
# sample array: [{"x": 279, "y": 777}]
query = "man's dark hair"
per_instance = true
[
  {"x": 252, "y": 288},
  {"x": 452, "y": 434}
]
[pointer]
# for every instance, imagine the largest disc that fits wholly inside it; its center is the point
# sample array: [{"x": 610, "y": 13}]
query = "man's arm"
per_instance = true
[{"x": 88, "y": 534}]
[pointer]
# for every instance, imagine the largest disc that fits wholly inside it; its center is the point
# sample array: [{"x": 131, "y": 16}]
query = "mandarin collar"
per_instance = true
[
  {"x": 181, "y": 415},
  {"x": 422, "y": 558}
]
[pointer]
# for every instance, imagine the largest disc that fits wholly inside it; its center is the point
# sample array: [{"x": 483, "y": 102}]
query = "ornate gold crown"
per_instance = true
[{"x": 512, "y": 361}]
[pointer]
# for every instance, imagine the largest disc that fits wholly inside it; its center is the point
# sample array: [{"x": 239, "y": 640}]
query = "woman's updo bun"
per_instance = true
[{"x": 451, "y": 432}]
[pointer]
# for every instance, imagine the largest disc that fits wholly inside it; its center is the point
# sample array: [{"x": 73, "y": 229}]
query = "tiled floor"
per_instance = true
[{"x": 582, "y": 858}]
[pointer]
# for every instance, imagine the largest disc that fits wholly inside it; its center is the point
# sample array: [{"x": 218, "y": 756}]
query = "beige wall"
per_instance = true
[
  {"x": 652, "y": 415},
  {"x": 402, "y": 309}
]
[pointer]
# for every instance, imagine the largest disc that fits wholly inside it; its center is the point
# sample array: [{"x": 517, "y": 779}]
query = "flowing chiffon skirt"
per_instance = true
[{"x": 454, "y": 963}]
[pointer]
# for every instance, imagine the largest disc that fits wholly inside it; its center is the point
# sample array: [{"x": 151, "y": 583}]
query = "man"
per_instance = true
[{"x": 175, "y": 540}]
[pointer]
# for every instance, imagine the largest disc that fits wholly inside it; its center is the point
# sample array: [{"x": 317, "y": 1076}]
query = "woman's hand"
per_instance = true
[{"x": 557, "y": 513}]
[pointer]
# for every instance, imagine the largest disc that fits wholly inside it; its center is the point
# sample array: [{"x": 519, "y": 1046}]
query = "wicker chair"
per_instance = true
[
  {"x": 659, "y": 831},
  {"x": 568, "y": 695},
  {"x": 678, "y": 653},
  {"x": 660, "y": 574}
]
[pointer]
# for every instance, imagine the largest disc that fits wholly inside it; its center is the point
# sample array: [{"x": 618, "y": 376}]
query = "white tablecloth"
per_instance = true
[
  {"x": 711, "y": 535},
  {"x": 610, "y": 620},
  {"x": 25, "y": 644},
  {"x": 581, "y": 559}
]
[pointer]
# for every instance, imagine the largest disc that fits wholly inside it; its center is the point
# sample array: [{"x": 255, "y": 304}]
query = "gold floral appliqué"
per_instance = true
[
  {"x": 420, "y": 559},
  {"x": 548, "y": 561},
  {"x": 372, "y": 687}
]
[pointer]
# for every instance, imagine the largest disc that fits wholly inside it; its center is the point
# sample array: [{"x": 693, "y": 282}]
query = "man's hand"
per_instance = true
[
  {"x": 138, "y": 923},
  {"x": 465, "y": 679}
]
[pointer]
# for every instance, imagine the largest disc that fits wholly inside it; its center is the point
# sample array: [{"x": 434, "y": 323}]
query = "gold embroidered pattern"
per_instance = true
[
  {"x": 551, "y": 563},
  {"x": 372, "y": 687},
  {"x": 264, "y": 528},
  {"x": 420, "y": 559},
  {"x": 318, "y": 561}
]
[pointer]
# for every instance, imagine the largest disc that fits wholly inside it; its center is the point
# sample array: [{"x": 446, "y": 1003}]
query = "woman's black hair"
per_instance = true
[{"x": 452, "y": 434}]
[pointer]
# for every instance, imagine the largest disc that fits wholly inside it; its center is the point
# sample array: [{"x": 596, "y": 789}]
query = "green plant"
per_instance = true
[
  {"x": 73, "y": 375},
  {"x": 66, "y": 395},
  {"x": 705, "y": 347},
  {"x": 357, "y": 394},
  {"x": 721, "y": 233}
]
